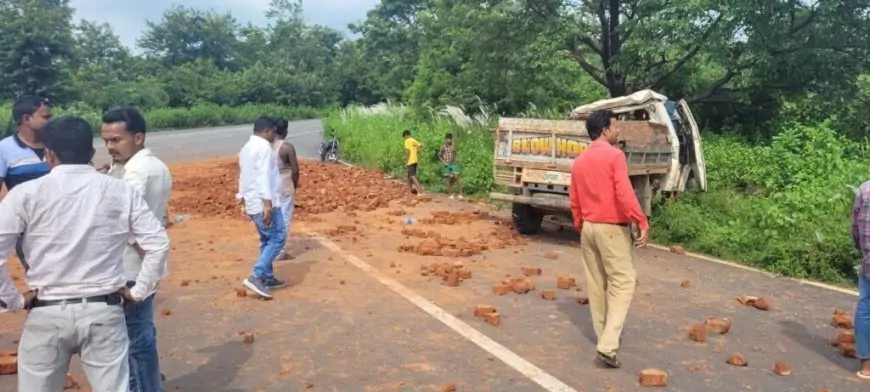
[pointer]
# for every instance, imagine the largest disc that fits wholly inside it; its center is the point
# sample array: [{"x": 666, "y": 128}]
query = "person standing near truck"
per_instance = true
[
  {"x": 604, "y": 207},
  {"x": 447, "y": 156},
  {"x": 861, "y": 238},
  {"x": 412, "y": 148}
]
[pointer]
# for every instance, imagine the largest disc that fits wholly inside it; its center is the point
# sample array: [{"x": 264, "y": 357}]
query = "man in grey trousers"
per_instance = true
[{"x": 77, "y": 224}]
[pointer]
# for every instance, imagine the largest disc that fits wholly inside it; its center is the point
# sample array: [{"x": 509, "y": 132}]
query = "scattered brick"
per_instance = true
[
  {"x": 847, "y": 350},
  {"x": 502, "y": 289},
  {"x": 452, "y": 279},
  {"x": 686, "y": 284},
  {"x": 653, "y": 378},
  {"x": 842, "y": 320},
  {"x": 492, "y": 318},
  {"x": 548, "y": 295},
  {"x": 565, "y": 282},
  {"x": 531, "y": 271},
  {"x": 552, "y": 255},
  {"x": 248, "y": 338},
  {"x": 761, "y": 304},
  {"x": 450, "y": 252},
  {"x": 737, "y": 360},
  {"x": 341, "y": 282},
  {"x": 482, "y": 310},
  {"x": 824, "y": 389},
  {"x": 522, "y": 285},
  {"x": 698, "y": 333},
  {"x": 781, "y": 369},
  {"x": 392, "y": 265},
  {"x": 449, "y": 387},
  {"x": 308, "y": 385},
  {"x": 241, "y": 293},
  {"x": 678, "y": 250},
  {"x": 464, "y": 274},
  {"x": 166, "y": 312},
  {"x": 8, "y": 362},
  {"x": 718, "y": 325},
  {"x": 185, "y": 283},
  {"x": 845, "y": 337}
]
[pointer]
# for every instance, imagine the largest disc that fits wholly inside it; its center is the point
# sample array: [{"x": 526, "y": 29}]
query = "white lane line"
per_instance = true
[{"x": 534, "y": 373}]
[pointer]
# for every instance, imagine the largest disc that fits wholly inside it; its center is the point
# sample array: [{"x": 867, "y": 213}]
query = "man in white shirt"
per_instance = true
[
  {"x": 123, "y": 131},
  {"x": 260, "y": 191},
  {"x": 77, "y": 224}
]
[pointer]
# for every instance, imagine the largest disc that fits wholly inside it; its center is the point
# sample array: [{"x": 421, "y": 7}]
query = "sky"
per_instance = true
[{"x": 128, "y": 17}]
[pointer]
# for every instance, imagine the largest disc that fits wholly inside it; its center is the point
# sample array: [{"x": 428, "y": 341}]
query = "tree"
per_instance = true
[{"x": 186, "y": 34}]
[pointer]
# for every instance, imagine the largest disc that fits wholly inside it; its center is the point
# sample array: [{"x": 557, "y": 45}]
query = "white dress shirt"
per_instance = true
[
  {"x": 258, "y": 175},
  {"x": 150, "y": 176},
  {"x": 76, "y": 224}
]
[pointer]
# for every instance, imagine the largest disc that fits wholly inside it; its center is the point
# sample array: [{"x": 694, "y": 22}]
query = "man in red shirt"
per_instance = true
[{"x": 604, "y": 207}]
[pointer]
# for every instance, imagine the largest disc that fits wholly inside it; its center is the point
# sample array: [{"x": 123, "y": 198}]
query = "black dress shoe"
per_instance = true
[{"x": 609, "y": 360}]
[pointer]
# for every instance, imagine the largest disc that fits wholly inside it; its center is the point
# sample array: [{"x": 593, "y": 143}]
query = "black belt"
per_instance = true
[
  {"x": 615, "y": 224},
  {"x": 109, "y": 299}
]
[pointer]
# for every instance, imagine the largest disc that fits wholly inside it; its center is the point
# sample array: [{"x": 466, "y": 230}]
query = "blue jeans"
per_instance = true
[
  {"x": 862, "y": 319},
  {"x": 272, "y": 240},
  {"x": 144, "y": 361}
]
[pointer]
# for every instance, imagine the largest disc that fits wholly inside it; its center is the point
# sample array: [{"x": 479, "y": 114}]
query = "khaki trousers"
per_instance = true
[{"x": 608, "y": 258}]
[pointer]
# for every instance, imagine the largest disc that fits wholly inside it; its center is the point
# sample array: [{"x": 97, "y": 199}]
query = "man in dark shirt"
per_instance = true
[{"x": 22, "y": 155}]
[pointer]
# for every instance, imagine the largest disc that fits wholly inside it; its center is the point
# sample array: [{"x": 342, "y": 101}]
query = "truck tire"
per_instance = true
[{"x": 527, "y": 219}]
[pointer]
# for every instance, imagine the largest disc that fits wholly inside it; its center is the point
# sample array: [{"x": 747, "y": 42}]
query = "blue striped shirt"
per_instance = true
[{"x": 20, "y": 163}]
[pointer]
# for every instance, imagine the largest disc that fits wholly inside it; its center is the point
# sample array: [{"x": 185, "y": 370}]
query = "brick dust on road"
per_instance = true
[{"x": 336, "y": 328}]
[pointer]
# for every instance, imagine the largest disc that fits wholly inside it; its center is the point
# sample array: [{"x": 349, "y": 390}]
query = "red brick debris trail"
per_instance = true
[{"x": 694, "y": 326}]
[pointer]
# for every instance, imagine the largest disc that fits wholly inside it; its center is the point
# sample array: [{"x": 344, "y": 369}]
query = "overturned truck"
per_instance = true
[{"x": 533, "y": 157}]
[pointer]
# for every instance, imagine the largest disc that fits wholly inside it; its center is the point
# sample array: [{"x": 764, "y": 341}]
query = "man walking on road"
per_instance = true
[
  {"x": 77, "y": 224},
  {"x": 412, "y": 148},
  {"x": 604, "y": 207},
  {"x": 260, "y": 192},
  {"x": 123, "y": 131},
  {"x": 861, "y": 236},
  {"x": 22, "y": 155},
  {"x": 447, "y": 155},
  {"x": 288, "y": 169}
]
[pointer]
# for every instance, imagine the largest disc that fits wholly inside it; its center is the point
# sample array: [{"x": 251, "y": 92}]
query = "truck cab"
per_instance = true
[{"x": 533, "y": 157}]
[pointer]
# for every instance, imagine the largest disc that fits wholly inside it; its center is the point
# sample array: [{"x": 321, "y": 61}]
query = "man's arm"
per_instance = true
[
  {"x": 625, "y": 193},
  {"x": 861, "y": 223},
  {"x": 261, "y": 165},
  {"x": 151, "y": 238},
  {"x": 287, "y": 153},
  {"x": 576, "y": 208},
  {"x": 12, "y": 224}
]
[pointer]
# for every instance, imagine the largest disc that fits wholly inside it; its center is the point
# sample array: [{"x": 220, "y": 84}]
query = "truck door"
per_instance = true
[{"x": 695, "y": 156}]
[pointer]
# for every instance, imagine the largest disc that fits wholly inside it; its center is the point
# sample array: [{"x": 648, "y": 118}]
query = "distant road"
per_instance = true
[{"x": 203, "y": 143}]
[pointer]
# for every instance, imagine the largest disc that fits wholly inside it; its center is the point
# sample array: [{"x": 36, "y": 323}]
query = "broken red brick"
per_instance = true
[
  {"x": 452, "y": 279},
  {"x": 308, "y": 385},
  {"x": 8, "y": 362},
  {"x": 522, "y": 285},
  {"x": 698, "y": 333},
  {"x": 502, "y": 289},
  {"x": 492, "y": 318},
  {"x": 847, "y": 349},
  {"x": 552, "y": 255},
  {"x": 781, "y": 369},
  {"x": 842, "y": 320},
  {"x": 737, "y": 360},
  {"x": 685, "y": 284},
  {"x": 531, "y": 271},
  {"x": 824, "y": 389},
  {"x": 653, "y": 378},
  {"x": 166, "y": 312},
  {"x": 248, "y": 338},
  {"x": 678, "y": 250},
  {"x": 565, "y": 282},
  {"x": 482, "y": 310},
  {"x": 548, "y": 294},
  {"x": 185, "y": 283},
  {"x": 847, "y": 337},
  {"x": 465, "y": 274},
  {"x": 761, "y": 304},
  {"x": 449, "y": 387},
  {"x": 241, "y": 293},
  {"x": 392, "y": 265},
  {"x": 718, "y": 325},
  {"x": 450, "y": 252}
]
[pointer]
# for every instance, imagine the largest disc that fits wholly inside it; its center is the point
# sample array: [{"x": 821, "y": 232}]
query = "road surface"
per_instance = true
[{"x": 358, "y": 315}]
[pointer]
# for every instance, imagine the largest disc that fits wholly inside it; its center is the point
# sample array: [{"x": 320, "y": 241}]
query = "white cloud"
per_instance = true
[{"x": 128, "y": 17}]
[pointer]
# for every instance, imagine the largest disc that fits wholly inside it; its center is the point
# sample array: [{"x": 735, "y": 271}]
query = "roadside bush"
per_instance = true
[
  {"x": 784, "y": 207},
  {"x": 203, "y": 115}
]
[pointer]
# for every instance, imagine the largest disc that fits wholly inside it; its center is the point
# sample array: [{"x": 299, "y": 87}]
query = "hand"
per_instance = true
[
  {"x": 29, "y": 298},
  {"x": 643, "y": 239},
  {"x": 267, "y": 216},
  {"x": 128, "y": 296},
  {"x": 104, "y": 168}
]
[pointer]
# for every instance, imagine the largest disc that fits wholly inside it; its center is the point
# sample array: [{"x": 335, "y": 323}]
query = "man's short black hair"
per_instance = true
[
  {"x": 597, "y": 122},
  {"x": 71, "y": 139},
  {"x": 448, "y": 136},
  {"x": 26, "y": 105},
  {"x": 265, "y": 123},
  {"x": 283, "y": 125},
  {"x": 406, "y": 133},
  {"x": 132, "y": 119}
]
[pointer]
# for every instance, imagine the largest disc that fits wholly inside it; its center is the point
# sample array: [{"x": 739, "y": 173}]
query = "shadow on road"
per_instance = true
[
  {"x": 579, "y": 316},
  {"x": 218, "y": 372},
  {"x": 818, "y": 344}
]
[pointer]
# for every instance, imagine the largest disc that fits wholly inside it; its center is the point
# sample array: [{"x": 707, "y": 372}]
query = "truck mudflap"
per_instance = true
[{"x": 541, "y": 201}]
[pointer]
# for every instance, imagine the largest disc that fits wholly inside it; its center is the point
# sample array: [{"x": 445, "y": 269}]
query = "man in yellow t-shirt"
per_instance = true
[{"x": 412, "y": 147}]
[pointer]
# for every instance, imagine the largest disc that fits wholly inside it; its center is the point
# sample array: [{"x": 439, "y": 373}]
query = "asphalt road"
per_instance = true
[{"x": 195, "y": 144}]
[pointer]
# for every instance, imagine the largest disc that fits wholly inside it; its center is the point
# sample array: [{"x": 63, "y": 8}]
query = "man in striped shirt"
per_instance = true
[{"x": 861, "y": 237}]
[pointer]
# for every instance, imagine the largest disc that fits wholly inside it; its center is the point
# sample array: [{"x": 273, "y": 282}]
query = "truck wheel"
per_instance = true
[{"x": 527, "y": 219}]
